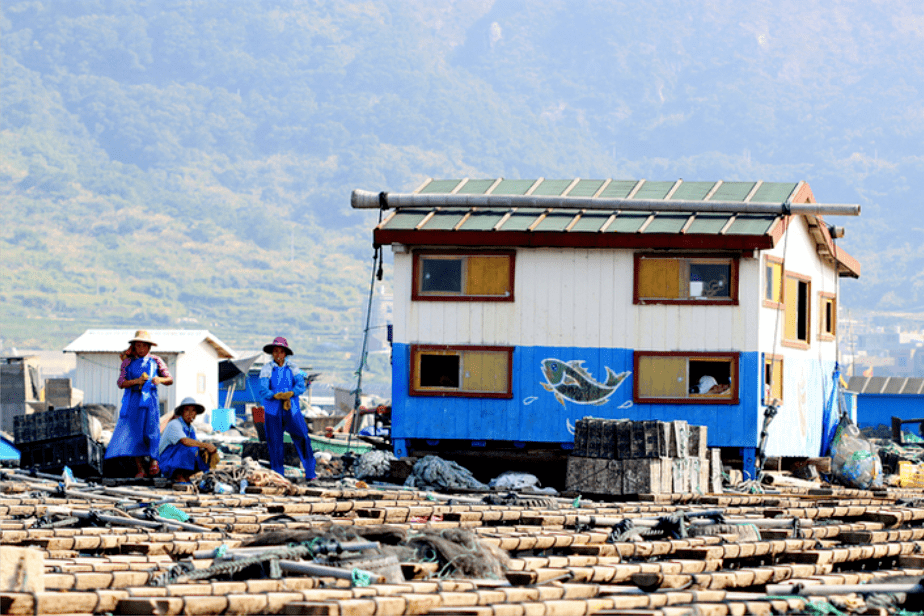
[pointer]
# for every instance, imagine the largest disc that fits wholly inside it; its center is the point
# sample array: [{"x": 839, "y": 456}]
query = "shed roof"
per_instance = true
[
  {"x": 886, "y": 385},
  {"x": 695, "y": 215},
  {"x": 168, "y": 341}
]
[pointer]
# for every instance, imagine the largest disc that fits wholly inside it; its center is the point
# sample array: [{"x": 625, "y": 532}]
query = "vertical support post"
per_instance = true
[
  {"x": 400, "y": 446},
  {"x": 749, "y": 463}
]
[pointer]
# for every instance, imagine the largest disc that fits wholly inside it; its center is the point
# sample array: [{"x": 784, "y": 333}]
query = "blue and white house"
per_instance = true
[{"x": 521, "y": 306}]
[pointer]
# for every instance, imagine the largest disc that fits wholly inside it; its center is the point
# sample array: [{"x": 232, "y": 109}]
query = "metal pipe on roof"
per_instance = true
[{"x": 364, "y": 199}]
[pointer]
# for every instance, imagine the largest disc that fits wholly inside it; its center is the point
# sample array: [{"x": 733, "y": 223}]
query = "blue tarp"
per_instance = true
[{"x": 8, "y": 451}]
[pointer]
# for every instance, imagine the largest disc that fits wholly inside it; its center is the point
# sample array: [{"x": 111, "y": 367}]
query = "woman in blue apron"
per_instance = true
[
  {"x": 281, "y": 382},
  {"x": 181, "y": 455},
  {"x": 137, "y": 431}
]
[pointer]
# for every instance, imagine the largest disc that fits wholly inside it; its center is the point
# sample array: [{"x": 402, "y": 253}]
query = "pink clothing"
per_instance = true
[{"x": 161, "y": 369}]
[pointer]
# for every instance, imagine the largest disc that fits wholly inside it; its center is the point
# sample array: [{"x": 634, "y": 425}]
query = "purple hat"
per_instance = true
[{"x": 280, "y": 342}]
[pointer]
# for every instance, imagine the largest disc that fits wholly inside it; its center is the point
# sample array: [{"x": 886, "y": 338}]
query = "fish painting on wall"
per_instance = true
[{"x": 571, "y": 381}]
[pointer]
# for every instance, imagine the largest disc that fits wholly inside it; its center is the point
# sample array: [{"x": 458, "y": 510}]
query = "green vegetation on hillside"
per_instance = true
[{"x": 175, "y": 164}]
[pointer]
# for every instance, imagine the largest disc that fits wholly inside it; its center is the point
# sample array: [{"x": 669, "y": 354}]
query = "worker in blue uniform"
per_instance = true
[
  {"x": 137, "y": 431},
  {"x": 281, "y": 383},
  {"x": 181, "y": 455}
]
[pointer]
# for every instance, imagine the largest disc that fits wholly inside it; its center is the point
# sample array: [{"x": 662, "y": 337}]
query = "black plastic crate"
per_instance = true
[
  {"x": 82, "y": 454},
  {"x": 53, "y": 424}
]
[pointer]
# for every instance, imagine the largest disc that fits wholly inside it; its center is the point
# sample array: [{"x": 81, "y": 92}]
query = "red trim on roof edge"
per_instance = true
[{"x": 520, "y": 239}]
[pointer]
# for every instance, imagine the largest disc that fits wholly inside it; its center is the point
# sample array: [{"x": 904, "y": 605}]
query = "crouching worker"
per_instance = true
[
  {"x": 281, "y": 382},
  {"x": 181, "y": 455}
]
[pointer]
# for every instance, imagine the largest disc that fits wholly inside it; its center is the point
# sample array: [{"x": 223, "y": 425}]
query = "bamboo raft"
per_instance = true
[{"x": 564, "y": 557}]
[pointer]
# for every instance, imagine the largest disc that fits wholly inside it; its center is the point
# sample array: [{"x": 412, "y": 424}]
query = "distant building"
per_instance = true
[
  {"x": 191, "y": 355},
  {"x": 20, "y": 387},
  {"x": 879, "y": 398}
]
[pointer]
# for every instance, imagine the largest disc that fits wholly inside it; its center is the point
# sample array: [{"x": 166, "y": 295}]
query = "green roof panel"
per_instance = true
[
  {"x": 513, "y": 187},
  {"x": 591, "y": 222},
  {"x": 556, "y": 221},
  {"x": 483, "y": 220},
  {"x": 773, "y": 192},
  {"x": 667, "y": 223},
  {"x": 653, "y": 190},
  {"x": 444, "y": 220},
  {"x": 522, "y": 219},
  {"x": 405, "y": 219},
  {"x": 732, "y": 191},
  {"x": 475, "y": 187},
  {"x": 586, "y": 188},
  {"x": 628, "y": 222},
  {"x": 618, "y": 189},
  {"x": 439, "y": 187},
  {"x": 751, "y": 224},
  {"x": 552, "y": 188},
  {"x": 693, "y": 191},
  {"x": 708, "y": 223}
]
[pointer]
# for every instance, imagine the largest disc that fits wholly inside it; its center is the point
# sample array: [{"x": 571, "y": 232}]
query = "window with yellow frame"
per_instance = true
[
  {"x": 773, "y": 379},
  {"x": 466, "y": 371},
  {"x": 827, "y": 317},
  {"x": 797, "y": 311},
  {"x": 773, "y": 282}
]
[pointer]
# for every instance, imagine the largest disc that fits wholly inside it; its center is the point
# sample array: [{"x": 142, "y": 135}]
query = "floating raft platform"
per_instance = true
[{"x": 565, "y": 558}]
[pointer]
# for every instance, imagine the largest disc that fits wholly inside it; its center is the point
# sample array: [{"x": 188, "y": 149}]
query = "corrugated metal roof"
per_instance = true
[
  {"x": 886, "y": 385},
  {"x": 563, "y": 219},
  {"x": 606, "y": 214},
  {"x": 168, "y": 341}
]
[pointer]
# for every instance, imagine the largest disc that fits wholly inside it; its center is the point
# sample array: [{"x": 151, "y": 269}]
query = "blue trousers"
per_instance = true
[
  {"x": 178, "y": 457},
  {"x": 290, "y": 421}
]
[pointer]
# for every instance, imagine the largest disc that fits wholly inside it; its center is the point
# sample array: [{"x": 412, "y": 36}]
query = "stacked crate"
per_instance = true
[
  {"x": 618, "y": 456},
  {"x": 50, "y": 440}
]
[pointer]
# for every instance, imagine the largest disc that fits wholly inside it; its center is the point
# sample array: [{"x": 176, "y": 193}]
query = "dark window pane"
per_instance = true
[
  {"x": 709, "y": 377},
  {"x": 439, "y": 371},
  {"x": 709, "y": 279},
  {"x": 441, "y": 276}
]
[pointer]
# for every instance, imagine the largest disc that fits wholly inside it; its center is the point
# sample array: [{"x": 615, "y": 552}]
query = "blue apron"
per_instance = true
[
  {"x": 180, "y": 457},
  {"x": 137, "y": 431},
  {"x": 277, "y": 419}
]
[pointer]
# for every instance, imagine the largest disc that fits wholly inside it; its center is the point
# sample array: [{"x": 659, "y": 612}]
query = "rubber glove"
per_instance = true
[{"x": 283, "y": 395}]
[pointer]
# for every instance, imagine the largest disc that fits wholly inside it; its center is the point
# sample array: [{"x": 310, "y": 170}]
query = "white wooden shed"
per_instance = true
[
  {"x": 191, "y": 355},
  {"x": 523, "y": 305}
]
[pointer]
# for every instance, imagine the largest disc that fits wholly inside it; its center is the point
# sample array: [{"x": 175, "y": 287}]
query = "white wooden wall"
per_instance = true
[
  {"x": 577, "y": 298},
  {"x": 96, "y": 374}
]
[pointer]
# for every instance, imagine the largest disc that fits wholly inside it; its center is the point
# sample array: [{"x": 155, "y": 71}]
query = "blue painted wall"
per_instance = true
[
  {"x": 876, "y": 409},
  {"x": 535, "y": 415}
]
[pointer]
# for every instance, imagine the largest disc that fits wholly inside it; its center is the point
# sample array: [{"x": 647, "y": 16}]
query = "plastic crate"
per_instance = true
[
  {"x": 82, "y": 454},
  {"x": 222, "y": 419},
  {"x": 910, "y": 475},
  {"x": 54, "y": 424}
]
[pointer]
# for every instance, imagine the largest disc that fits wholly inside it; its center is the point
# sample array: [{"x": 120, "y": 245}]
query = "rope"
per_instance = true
[{"x": 364, "y": 354}]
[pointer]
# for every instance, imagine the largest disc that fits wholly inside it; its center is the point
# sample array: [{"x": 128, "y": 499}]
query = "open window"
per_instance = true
[
  {"x": 461, "y": 276},
  {"x": 797, "y": 297},
  {"x": 676, "y": 377},
  {"x": 827, "y": 318},
  {"x": 773, "y": 282},
  {"x": 663, "y": 279},
  {"x": 467, "y": 371},
  {"x": 773, "y": 378}
]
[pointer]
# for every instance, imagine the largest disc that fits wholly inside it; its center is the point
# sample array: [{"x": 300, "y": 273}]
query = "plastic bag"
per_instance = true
[{"x": 855, "y": 461}]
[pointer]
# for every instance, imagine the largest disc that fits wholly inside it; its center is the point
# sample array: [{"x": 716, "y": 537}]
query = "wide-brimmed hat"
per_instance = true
[
  {"x": 189, "y": 401},
  {"x": 142, "y": 336},
  {"x": 280, "y": 342}
]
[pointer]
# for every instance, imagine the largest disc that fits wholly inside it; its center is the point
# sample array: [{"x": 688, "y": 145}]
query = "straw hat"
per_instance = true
[
  {"x": 142, "y": 336},
  {"x": 189, "y": 401},
  {"x": 280, "y": 342}
]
